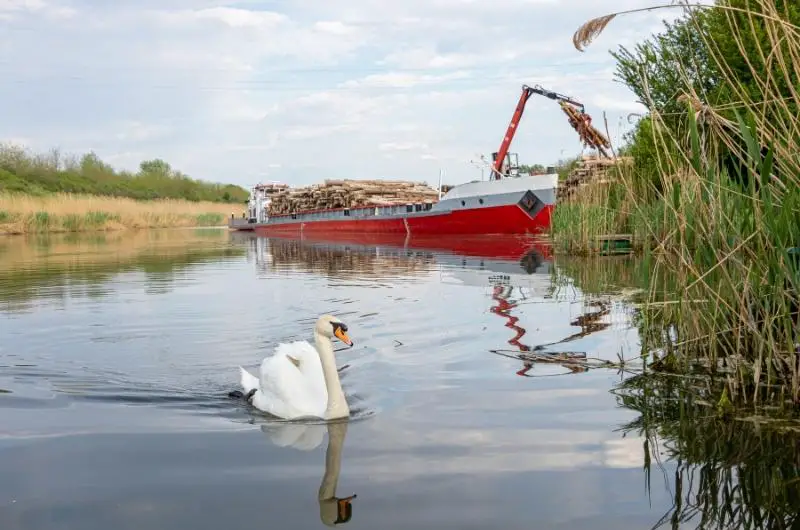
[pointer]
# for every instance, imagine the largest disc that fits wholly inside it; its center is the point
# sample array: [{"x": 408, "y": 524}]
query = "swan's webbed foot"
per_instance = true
[{"x": 238, "y": 394}]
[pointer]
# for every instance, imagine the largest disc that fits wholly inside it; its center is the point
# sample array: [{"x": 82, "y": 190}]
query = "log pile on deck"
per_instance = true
[
  {"x": 351, "y": 194},
  {"x": 591, "y": 169}
]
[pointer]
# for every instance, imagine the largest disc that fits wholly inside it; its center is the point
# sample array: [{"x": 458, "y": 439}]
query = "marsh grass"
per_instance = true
[
  {"x": 726, "y": 244},
  {"x": 22, "y": 214}
]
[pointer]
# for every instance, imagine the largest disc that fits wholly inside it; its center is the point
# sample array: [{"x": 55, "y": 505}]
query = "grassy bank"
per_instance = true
[
  {"x": 713, "y": 198},
  {"x": 64, "y": 212},
  {"x": 56, "y": 193}
]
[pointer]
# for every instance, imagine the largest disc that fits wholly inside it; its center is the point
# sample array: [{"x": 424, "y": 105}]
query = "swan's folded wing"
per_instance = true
[
  {"x": 290, "y": 393},
  {"x": 306, "y": 358}
]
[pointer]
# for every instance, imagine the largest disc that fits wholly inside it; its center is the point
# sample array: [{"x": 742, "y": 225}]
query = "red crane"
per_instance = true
[{"x": 578, "y": 118}]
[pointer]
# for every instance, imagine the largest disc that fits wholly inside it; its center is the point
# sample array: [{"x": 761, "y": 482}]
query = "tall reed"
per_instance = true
[
  {"x": 64, "y": 212},
  {"x": 723, "y": 212}
]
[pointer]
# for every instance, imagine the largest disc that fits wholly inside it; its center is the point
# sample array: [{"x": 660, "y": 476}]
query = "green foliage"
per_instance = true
[
  {"x": 751, "y": 56},
  {"x": 563, "y": 167},
  {"x": 156, "y": 179},
  {"x": 727, "y": 58},
  {"x": 532, "y": 168},
  {"x": 657, "y": 69}
]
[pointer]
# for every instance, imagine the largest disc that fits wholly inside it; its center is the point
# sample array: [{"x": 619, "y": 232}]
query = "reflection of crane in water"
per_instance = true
[
  {"x": 588, "y": 322},
  {"x": 501, "y": 295}
]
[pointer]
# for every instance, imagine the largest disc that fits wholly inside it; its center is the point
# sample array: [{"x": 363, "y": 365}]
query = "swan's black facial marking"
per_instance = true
[{"x": 340, "y": 332}]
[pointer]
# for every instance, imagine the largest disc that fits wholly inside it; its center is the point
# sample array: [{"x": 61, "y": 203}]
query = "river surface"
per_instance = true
[{"x": 118, "y": 351}]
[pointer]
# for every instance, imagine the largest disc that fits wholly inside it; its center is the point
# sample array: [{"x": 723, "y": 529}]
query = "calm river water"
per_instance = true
[{"x": 117, "y": 352}]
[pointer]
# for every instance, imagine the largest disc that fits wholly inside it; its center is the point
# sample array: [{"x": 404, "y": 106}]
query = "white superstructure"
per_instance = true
[{"x": 260, "y": 198}]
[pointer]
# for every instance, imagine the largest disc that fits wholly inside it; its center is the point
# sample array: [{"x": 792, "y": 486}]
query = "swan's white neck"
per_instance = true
[
  {"x": 328, "y": 502},
  {"x": 337, "y": 404},
  {"x": 333, "y": 460}
]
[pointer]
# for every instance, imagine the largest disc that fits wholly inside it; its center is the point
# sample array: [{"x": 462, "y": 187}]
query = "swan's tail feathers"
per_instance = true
[{"x": 250, "y": 383}]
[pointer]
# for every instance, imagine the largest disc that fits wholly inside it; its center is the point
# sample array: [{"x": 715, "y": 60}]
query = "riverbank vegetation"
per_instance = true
[
  {"x": 42, "y": 174},
  {"x": 712, "y": 198},
  {"x": 53, "y": 193},
  {"x": 67, "y": 212}
]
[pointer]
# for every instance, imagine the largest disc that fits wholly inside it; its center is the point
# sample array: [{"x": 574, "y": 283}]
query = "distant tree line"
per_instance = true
[
  {"x": 156, "y": 179},
  {"x": 563, "y": 167}
]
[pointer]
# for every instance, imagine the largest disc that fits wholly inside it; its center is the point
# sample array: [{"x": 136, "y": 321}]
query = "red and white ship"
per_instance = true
[
  {"x": 509, "y": 203},
  {"x": 519, "y": 205}
]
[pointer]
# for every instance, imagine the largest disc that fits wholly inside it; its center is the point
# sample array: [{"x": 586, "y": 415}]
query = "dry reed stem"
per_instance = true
[
  {"x": 591, "y": 29},
  {"x": 68, "y": 212}
]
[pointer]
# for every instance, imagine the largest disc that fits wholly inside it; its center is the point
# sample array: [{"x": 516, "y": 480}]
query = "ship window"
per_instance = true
[
  {"x": 480, "y": 201},
  {"x": 463, "y": 203},
  {"x": 347, "y": 213},
  {"x": 409, "y": 208},
  {"x": 294, "y": 216}
]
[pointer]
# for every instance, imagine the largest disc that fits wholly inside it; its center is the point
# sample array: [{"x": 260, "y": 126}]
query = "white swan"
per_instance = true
[{"x": 300, "y": 380}]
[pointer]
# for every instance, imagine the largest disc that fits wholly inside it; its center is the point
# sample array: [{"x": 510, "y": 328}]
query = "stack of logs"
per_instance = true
[
  {"x": 589, "y": 134},
  {"x": 351, "y": 194},
  {"x": 591, "y": 169}
]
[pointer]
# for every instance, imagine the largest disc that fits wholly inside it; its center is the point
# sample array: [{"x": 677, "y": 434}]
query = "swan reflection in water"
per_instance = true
[{"x": 333, "y": 510}]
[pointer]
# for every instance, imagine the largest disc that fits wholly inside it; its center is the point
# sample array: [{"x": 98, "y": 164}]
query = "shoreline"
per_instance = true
[{"x": 22, "y": 214}]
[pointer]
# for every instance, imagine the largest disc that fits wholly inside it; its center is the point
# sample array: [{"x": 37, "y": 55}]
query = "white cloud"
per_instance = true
[
  {"x": 402, "y": 80},
  {"x": 402, "y": 146},
  {"x": 12, "y": 9},
  {"x": 223, "y": 90}
]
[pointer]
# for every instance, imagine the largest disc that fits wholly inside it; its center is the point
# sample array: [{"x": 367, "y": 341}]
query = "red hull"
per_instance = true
[
  {"x": 503, "y": 247},
  {"x": 500, "y": 220}
]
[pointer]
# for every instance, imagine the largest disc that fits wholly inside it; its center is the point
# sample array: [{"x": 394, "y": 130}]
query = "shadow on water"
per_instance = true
[{"x": 459, "y": 405}]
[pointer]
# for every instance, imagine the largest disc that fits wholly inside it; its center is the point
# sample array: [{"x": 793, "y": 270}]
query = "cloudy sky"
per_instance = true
[{"x": 298, "y": 91}]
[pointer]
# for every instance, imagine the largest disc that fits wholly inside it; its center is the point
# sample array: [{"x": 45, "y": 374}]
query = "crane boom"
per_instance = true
[{"x": 579, "y": 120}]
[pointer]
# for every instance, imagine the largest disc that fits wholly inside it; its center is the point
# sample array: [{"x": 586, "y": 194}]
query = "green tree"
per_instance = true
[{"x": 658, "y": 69}]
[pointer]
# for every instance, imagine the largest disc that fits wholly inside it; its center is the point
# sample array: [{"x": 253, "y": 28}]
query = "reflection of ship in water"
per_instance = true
[
  {"x": 477, "y": 261},
  {"x": 506, "y": 265}
]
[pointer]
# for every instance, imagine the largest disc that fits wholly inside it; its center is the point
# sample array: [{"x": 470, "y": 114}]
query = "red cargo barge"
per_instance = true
[{"x": 509, "y": 206}]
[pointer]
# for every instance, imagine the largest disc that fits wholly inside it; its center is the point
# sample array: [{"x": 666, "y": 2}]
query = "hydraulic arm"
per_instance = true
[{"x": 575, "y": 111}]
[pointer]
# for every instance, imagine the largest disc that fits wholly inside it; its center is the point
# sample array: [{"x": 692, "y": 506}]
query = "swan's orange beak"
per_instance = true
[
  {"x": 342, "y": 336},
  {"x": 344, "y": 509}
]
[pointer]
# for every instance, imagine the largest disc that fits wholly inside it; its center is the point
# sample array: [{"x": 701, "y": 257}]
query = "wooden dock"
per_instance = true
[{"x": 613, "y": 244}]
